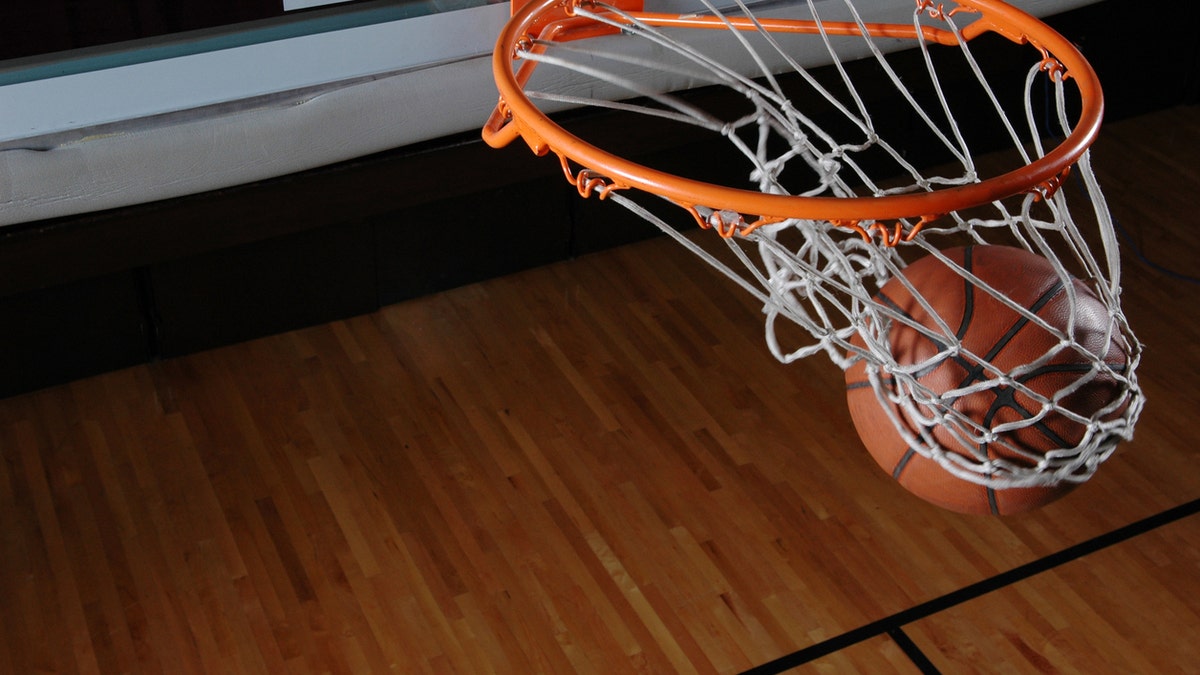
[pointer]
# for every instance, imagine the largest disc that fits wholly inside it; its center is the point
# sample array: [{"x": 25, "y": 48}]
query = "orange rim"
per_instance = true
[{"x": 516, "y": 116}]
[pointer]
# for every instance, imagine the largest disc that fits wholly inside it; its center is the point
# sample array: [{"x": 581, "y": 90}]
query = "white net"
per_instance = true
[{"x": 856, "y": 126}]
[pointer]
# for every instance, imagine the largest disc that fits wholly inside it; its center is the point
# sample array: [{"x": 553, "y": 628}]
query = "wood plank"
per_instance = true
[
  {"x": 589, "y": 467},
  {"x": 1124, "y": 609}
]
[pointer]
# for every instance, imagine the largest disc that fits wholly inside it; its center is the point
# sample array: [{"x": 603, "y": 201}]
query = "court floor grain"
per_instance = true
[{"x": 592, "y": 467}]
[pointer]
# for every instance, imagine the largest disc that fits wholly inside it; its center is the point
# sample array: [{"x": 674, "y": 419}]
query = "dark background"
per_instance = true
[
  {"x": 85, "y": 294},
  {"x": 34, "y": 27}
]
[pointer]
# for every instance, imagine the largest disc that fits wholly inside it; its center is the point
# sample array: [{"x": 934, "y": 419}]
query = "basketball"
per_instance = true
[{"x": 989, "y": 328}]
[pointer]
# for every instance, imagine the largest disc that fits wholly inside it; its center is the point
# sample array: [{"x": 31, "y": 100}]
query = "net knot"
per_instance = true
[
  {"x": 889, "y": 236},
  {"x": 936, "y": 10},
  {"x": 726, "y": 223},
  {"x": 1047, "y": 189},
  {"x": 587, "y": 182},
  {"x": 523, "y": 45}
]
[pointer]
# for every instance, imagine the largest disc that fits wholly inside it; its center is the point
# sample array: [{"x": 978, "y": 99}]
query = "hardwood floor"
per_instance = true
[{"x": 591, "y": 467}]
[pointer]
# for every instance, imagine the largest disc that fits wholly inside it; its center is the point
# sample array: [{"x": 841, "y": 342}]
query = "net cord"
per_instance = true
[{"x": 825, "y": 285}]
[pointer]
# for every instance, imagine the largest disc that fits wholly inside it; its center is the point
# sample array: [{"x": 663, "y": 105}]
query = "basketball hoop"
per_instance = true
[
  {"x": 536, "y": 25},
  {"x": 819, "y": 252}
]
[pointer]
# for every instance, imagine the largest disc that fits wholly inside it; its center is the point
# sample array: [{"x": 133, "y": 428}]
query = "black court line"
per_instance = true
[
  {"x": 913, "y": 652},
  {"x": 892, "y": 625}
]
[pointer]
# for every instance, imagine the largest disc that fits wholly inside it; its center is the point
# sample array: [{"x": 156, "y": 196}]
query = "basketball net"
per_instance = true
[{"x": 816, "y": 276}]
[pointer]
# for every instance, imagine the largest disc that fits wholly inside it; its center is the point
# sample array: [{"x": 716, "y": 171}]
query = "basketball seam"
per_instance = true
[
  {"x": 1002, "y": 393},
  {"x": 1004, "y": 397},
  {"x": 968, "y": 312},
  {"x": 907, "y": 456},
  {"x": 996, "y": 404}
]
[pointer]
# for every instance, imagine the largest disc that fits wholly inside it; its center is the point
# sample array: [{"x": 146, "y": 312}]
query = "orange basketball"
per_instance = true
[{"x": 991, "y": 329}]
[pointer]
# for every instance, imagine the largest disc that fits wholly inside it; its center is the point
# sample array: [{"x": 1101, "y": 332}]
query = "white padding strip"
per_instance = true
[{"x": 174, "y": 156}]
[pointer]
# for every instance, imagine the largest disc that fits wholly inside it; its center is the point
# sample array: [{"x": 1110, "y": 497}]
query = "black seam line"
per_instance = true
[
  {"x": 993, "y": 504},
  {"x": 975, "y": 590},
  {"x": 975, "y": 373},
  {"x": 968, "y": 312},
  {"x": 1023, "y": 321},
  {"x": 904, "y": 460}
]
